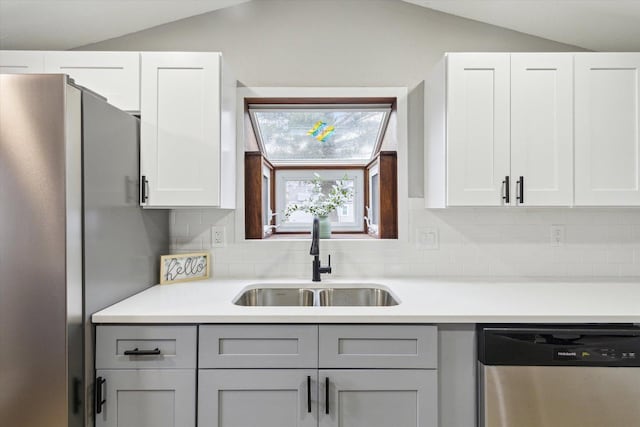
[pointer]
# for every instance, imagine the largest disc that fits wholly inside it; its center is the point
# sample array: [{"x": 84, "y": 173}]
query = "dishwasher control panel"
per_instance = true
[
  {"x": 559, "y": 345},
  {"x": 596, "y": 354}
]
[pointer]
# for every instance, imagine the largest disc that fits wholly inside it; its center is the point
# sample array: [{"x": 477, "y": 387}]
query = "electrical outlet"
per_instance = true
[
  {"x": 557, "y": 235},
  {"x": 427, "y": 238},
  {"x": 218, "y": 237}
]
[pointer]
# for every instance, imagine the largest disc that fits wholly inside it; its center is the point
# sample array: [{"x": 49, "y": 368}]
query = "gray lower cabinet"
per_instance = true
[
  {"x": 146, "y": 398},
  {"x": 378, "y": 398},
  {"x": 267, "y": 376},
  {"x": 257, "y": 397},
  {"x": 146, "y": 376}
]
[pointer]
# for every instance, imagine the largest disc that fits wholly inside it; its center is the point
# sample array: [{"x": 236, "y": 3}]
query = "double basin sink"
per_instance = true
[{"x": 324, "y": 297}]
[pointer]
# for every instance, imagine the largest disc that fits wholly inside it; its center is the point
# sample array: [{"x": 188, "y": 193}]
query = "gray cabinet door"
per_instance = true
[
  {"x": 378, "y": 398},
  {"x": 251, "y": 398},
  {"x": 148, "y": 398}
]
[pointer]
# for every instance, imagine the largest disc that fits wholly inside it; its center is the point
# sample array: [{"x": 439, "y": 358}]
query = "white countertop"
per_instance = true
[{"x": 421, "y": 301}]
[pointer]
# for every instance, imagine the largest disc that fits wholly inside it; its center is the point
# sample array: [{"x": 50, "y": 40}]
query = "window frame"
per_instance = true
[
  {"x": 373, "y": 219},
  {"x": 307, "y": 174},
  {"x": 396, "y": 139},
  {"x": 267, "y": 224},
  {"x": 385, "y": 108}
]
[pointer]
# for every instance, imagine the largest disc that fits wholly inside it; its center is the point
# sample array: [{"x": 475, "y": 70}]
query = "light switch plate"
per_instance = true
[
  {"x": 557, "y": 235},
  {"x": 218, "y": 239},
  {"x": 427, "y": 238}
]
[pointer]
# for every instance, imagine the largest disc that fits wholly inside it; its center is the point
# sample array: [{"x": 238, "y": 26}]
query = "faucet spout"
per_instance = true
[{"x": 315, "y": 238}]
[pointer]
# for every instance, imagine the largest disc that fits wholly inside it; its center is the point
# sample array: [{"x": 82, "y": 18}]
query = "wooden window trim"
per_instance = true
[
  {"x": 388, "y": 214},
  {"x": 388, "y": 220}
]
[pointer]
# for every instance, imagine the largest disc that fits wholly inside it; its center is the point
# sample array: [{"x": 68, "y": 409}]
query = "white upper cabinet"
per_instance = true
[
  {"x": 607, "y": 122},
  {"x": 502, "y": 125},
  {"x": 187, "y": 135},
  {"x": 21, "y": 62},
  {"x": 477, "y": 128},
  {"x": 114, "y": 75},
  {"x": 542, "y": 129}
]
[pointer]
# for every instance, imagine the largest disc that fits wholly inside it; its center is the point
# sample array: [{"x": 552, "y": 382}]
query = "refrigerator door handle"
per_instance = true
[
  {"x": 77, "y": 401},
  {"x": 100, "y": 382}
]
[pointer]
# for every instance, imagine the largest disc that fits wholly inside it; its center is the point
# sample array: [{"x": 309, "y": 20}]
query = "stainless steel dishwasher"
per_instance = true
[{"x": 559, "y": 376}]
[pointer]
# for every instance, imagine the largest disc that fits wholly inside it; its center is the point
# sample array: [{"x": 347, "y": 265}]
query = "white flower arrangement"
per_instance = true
[{"x": 320, "y": 204}]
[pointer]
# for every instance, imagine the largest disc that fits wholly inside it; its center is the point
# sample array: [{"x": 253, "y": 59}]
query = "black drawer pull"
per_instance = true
[
  {"x": 309, "y": 393},
  {"x": 137, "y": 352},
  {"x": 99, "y": 400},
  {"x": 326, "y": 395}
]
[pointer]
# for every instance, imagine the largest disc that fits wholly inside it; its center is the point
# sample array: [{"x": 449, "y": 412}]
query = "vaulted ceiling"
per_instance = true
[
  {"x": 602, "y": 25},
  {"x": 65, "y": 24},
  {"x": 612, "y": 25}
]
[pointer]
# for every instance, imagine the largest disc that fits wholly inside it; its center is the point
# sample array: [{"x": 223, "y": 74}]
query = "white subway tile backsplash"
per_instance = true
[
  {"x": 629, "y": 270},
  {"x": 472, "y": 242},
  {"x": 187, "y": 244},
  {"x": 187, "y": 216},
  {"x": 580, "y": 270},
  {"x": 179, "y": 230},
  {"x": 605, "y": 270},
  {"x": 620, "y": 256}
]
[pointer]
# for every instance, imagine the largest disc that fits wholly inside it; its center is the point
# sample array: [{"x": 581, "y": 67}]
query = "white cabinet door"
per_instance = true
[
  {"x": 21, "y": 62},
  {"x": 257, "y": 397},
  {"x": 180, "y": 128},
  {"x": 477, "y": 128},
  {"x": 542, "y": 129},
  {"x": 378, "y": 398},
  {"x": 607, "y": 122},
  {"x": 146, "y": 398},
  {"x": 114, "y": 75}
]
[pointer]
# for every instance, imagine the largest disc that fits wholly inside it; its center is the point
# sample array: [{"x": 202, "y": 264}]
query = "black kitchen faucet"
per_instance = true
[{"x": 315, "y": 251}]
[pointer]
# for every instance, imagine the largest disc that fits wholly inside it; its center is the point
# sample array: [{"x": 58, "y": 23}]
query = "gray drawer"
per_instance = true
[
  {"x": 258, "y": 346},
  {"x": 176, "y": 345},
  {"x": 378, "y": 346}
]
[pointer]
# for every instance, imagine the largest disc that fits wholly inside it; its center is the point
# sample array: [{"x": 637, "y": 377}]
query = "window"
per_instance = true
[
  {"x": 296, "y": 186},
  {"x": 300, "y": 139},
  {"x": 319, "y": 134}
]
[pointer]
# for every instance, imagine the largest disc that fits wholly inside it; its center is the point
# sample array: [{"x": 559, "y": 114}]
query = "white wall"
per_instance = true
[{"x": 385, "y": 43}]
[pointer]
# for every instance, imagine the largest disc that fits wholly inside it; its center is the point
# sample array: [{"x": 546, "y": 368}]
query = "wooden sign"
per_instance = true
[{"x": 184, "y": 267}]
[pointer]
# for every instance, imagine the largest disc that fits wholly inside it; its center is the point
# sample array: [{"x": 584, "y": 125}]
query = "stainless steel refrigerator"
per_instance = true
[{"x": 73, "y": 240}]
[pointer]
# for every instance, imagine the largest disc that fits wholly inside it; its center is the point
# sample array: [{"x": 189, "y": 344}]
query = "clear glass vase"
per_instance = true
[{"x": 325, "y": 227}]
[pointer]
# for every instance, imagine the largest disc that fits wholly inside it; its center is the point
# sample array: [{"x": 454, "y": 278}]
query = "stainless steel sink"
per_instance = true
[
  {"x": 361, "y": 296},
  {"x": 366, "y": 297},
  {"x": 276, "y": 297}
]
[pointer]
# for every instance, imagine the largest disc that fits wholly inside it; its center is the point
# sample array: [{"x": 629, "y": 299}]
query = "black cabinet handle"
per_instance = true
[
  {"x": 144, "y": 196},
  {"x": 309, "y": 393},
  {"x": 521, "y": 190},
  {"x": 137, "y": 352},
  {"x": 507, "y": 190},
  {"x": 99, "y": 400},
  {"x": 326, "y": 395}
]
